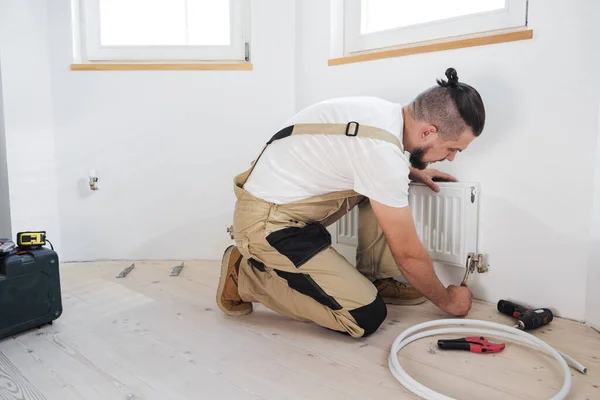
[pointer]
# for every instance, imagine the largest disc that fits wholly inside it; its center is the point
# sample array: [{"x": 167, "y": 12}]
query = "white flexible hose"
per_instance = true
[{"x": 497, "y": 330}]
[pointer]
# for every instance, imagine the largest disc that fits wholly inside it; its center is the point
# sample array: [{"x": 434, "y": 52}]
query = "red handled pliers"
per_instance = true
[{"x": 475, "y": 344}]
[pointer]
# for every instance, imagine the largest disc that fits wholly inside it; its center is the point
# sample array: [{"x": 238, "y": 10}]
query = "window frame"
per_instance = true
[
  {"x": 89, "y": 49},
  {"x": 514, "y": 16}
]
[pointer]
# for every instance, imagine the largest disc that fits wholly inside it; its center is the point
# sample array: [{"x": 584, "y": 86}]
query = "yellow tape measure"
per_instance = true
[{"x": 31, "y": 239}]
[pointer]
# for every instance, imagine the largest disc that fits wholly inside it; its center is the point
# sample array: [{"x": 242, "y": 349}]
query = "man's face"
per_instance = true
[{"x": 435, "y": 149}]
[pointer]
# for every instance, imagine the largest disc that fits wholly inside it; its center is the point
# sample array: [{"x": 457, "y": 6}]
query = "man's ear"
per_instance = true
[{"x": 428, "y": 132}]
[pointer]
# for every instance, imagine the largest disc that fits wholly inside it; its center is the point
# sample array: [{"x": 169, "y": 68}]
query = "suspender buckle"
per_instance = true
[{"x": 355, "y": 129}]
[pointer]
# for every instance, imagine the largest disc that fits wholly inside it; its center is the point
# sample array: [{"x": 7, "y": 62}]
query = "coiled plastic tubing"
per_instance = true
[{"x": 420, "y": 331}]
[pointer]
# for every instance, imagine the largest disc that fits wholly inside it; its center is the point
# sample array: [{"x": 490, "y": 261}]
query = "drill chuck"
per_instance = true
[{"x": 527, "y": 319}]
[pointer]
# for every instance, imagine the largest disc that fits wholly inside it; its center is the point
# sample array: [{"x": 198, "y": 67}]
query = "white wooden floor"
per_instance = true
[{"x": 152, "y": 336}]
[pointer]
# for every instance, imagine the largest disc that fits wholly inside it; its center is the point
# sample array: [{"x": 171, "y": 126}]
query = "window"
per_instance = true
[
  {"x": 162, "y": 30},
  {"x": 372, "y": 24}
]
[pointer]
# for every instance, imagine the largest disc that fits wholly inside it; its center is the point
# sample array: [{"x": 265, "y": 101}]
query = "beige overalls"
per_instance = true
[{"x": 290, "y": 266}]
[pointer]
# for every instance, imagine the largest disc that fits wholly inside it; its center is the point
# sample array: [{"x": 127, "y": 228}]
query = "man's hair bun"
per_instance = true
[
  {"x": 452, "y": 78},
  {"x": 451, "y": 106}
]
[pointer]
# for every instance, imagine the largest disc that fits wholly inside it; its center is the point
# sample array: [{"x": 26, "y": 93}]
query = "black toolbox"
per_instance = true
[{"x": 30, "y": 294}]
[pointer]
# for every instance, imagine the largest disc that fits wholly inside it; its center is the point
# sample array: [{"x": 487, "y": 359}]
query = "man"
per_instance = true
[{"x": 330, "y": 157}]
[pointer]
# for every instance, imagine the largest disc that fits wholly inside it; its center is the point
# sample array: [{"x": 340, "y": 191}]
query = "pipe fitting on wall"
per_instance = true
[{"x": 93, "y": 180}]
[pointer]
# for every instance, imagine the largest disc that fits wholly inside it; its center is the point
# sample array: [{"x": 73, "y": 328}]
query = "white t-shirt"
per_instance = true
[{"x": 299, "y": 167}]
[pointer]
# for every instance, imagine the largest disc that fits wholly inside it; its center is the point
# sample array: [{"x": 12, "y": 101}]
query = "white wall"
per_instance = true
[
  {"x": 28, "y": 120},
  {"x": 5, "y": 229},
  {"x": 593, "y": 276},
  {"x": 166, "y": 144},
  {"x": 535, "y": 158}
]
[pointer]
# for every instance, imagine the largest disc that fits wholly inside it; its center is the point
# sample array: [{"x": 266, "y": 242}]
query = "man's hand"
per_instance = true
[
  {"x": 460, "y": 301},
  {"x": 409, "y": 253},
  {"x": 427, "y": 176},
  {"x": 414, "y": 262}
]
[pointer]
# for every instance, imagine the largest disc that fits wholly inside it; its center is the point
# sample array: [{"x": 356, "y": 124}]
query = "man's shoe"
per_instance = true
[
  {"x": 228, "y": 296},
  {"x": 398, "y": 293}
]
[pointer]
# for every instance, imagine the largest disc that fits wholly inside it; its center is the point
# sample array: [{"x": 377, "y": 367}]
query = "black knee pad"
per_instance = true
[{"x": 371, "y": 316}]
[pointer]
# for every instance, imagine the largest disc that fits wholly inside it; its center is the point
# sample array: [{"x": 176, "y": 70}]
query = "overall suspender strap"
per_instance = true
[{"x": 351, "y": 129}]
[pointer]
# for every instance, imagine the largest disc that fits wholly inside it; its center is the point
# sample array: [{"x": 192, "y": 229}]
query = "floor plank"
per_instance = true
[
  {"x": 153, "y": 336},
  {"x": 13, "y": 385}
]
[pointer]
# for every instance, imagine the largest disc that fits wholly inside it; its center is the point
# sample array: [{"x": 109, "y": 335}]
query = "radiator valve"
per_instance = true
[
  {"x": 480, "y": 264},
  {"x": 474, "y": 261}
]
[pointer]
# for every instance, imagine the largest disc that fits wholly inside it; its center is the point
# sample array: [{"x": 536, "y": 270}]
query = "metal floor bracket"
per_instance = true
[
  {"x": 125, "y": 272},
  {"x": 176, "y": 270}
]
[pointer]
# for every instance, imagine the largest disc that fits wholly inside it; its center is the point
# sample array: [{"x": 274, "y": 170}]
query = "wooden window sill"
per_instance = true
[
  {"x": 162, "y": 67},
  {"x": 429, "y": 47}
]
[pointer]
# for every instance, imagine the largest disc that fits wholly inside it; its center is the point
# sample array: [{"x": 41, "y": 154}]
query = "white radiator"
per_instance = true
[
  {"x": 447, "y": 222},
  {"x": 347, "y": 229}
]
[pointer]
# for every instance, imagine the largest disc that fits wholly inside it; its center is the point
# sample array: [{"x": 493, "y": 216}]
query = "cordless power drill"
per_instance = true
[{"x": 527, "y": 319}]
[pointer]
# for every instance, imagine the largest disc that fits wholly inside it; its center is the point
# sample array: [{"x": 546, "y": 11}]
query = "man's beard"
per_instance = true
[{"x": 416, "y": 157}]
